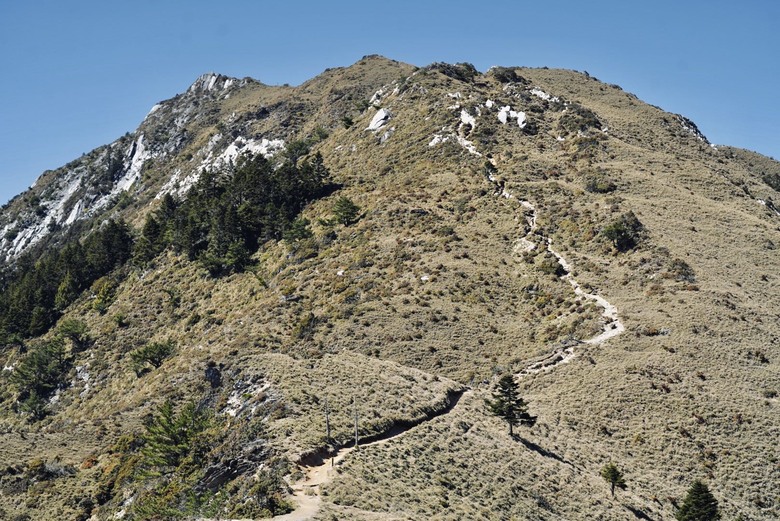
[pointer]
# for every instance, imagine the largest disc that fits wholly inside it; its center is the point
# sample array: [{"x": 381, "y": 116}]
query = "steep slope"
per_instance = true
[{"x": 485, "y": 201}]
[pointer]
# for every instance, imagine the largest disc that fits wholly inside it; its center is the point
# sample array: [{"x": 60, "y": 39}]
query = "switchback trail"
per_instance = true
[
  {"x": 565, "y": 352},
  {"x": 307, "y": 490}
]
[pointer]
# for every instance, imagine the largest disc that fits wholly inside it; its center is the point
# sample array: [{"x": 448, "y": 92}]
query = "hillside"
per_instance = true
[{"x": 533, "y": 222}]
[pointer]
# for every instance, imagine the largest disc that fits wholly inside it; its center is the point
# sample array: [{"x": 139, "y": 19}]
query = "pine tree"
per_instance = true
[
  {"x": 346, "y": 211},
  {"x": 170, "y": 437},
  {"x": 67, "y": 292},
  {"x": 613, "y": 476},
  {"x": 699, "y": 504},
  {"x": 76, "y": 331},
  {"x": 38, "y": 375},
  {"x": 508, "y": 405}
]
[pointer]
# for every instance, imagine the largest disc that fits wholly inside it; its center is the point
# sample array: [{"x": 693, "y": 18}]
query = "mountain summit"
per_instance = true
[{"x": 297, "y": 301}]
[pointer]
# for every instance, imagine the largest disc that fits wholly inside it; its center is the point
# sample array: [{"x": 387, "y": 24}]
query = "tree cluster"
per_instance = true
[
  {"x": 35, "y": 292},
  {"x": 228, "y": 214},
  {"x": 38, "y": 375}
]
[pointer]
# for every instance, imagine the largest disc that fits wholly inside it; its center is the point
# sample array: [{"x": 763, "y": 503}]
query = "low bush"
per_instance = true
[
  {"x": 154, "y": 354},
  {"x": 598, "y": 182},
  {"x": 624, "y": 233}
]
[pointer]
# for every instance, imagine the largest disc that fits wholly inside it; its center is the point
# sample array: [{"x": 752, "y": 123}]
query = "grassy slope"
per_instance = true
[{"x": 690, "y": 402}]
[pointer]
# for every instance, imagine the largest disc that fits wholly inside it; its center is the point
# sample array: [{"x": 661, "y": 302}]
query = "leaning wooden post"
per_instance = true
[
  {"x": 356, "y": 423},
  {"x": 327, "y": 422}
]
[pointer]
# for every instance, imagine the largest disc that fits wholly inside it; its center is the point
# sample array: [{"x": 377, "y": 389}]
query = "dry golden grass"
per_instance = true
[{"x": 427, "y": 286}]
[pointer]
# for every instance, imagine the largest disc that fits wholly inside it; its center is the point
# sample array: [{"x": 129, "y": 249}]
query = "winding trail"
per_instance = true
[
  {"x": 306, "y": 492},
  {"x": 565, "y": 352}
]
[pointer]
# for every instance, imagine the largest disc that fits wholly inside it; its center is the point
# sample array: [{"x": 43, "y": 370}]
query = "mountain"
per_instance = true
[{"x": 199, "y": 318}]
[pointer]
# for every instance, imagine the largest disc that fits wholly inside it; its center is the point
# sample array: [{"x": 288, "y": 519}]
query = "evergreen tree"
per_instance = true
[
  {"x": 154, "y": 353},
  {"x": 508, "y": 405},
  {"x": 170, "y": 437},
  {"x": 298, "y": 230},
  {"x": 76, "y": 331},
  {"x": 67, "y": 292},
  {"x": 613, "y": 476},
  {"x": 699, "y": 504},
  {"x": 38, "y": 375},
  {"x": 346, "y": 211}
]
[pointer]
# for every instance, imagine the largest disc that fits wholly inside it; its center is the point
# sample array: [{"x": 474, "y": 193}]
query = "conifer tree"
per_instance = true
[
  {"x": 613, "y": 476},
  {"x": 67, "y": 292},
  {"x": 699, "y": 504},
  {"x": 345, "y": 210},
  {"x": 76, "y": 331},
  {"x": 170, "y": 436},
  {"x": 508, "y": 405},
  {"x": 38, "y": 375}
]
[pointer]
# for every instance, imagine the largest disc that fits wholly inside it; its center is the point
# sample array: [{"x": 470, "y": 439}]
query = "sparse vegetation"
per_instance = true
[{"x": 432, "y": 283}]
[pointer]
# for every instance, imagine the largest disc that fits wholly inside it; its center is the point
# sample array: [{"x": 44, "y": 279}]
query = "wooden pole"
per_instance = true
[
  {"x": 356, "y": 424},
  {"x": 327, "y": 422}
]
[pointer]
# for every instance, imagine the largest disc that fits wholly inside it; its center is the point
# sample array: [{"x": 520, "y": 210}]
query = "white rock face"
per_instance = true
[
  {"x": 379, "y": 120},
  {"x": 467, "y": 119},
  {"x": 539, "y": 93},
  {"x": 506, "y": 112},
  {"x": 241, "y": 146},
  {"x": 179, "y": 185},
  {"x": 138, "y": 155},
  {"x": 503, "y": 114},
  {"x": 211, "y": 82}
]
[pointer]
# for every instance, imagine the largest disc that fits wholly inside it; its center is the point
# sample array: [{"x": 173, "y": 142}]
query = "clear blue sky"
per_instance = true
[{"x": 78, "y": 74}]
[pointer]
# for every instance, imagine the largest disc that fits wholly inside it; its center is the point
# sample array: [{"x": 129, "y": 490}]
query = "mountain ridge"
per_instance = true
[{"x": 438, "y": 282}]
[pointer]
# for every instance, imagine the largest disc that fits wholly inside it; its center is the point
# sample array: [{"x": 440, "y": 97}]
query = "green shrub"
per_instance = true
[
  {"x": 772, "y": 180},
  {"x": 550, "y": 265},
  {"x": 120, "y": 319},
  {"x": 505, "y": 74},
  {"x": 577, "y": 118},
  {"x": 597, "y": 182},
  {"x": 681, "y": 271},
  {"x": 460, "y": 71},
  {"x": 154, "y": 354},
  {"x": 624, "y": 233}
]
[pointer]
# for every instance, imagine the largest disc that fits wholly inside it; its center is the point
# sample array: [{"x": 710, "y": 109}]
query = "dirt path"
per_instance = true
[
  {"x": 307, "y": 490},
  {"x": 612, "y": 324}
]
